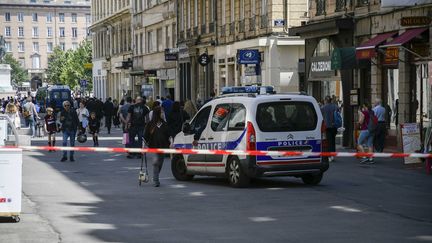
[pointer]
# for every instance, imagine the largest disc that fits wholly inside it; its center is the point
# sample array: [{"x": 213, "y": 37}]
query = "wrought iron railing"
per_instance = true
[
  {"x": 320, "y": 7},
  {"x": 340, "y": 5}
]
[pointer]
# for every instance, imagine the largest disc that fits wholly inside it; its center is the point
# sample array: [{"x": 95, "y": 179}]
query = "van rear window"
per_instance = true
[{"x": 287, "y": 116}]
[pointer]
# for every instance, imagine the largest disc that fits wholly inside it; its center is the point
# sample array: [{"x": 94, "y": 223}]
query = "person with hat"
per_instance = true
[{"x": 51, "y": 127}]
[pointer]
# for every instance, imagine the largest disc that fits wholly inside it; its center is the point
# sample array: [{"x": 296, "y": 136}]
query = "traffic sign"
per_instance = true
[
  {"x": 83, "y": 83},
  {"x": 88, "y": 65}
]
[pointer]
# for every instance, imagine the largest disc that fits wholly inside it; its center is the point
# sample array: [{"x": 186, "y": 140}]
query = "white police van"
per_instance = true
[{"x": 253, "y": 121}]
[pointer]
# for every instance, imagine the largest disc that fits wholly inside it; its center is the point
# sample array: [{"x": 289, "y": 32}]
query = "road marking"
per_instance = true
[
  {"x": 117, "y": 155},
  {"x": 346, "y": 209},
  {"x": 178, "y": 186},
  {"x": 109, "y": 160},
  {"x": 422, "y": 238},
  {"x": 262, "y": 219},
  {"x": 197, "y": 194},
  {"x": 274, "y": 188}
]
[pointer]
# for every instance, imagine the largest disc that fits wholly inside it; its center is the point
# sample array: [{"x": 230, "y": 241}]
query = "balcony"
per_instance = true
[
  {"x": 212, "y": 27},
  {"x": 223, "y": 30},
  {"x": 242, "y": 26},
  {"x": 340, "y": 5},
  {"x": 320, "y": 7},
  {"x": 252, "y": 23},
  {"x": 232, "y": 28},
  {"x": 203, "y": 29},
  {"x": 264, "y": 21}
]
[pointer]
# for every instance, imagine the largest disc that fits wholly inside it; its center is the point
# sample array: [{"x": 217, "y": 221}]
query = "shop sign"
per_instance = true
[
  {"x": 183, "y": 51},
  {"x": 391, "y": 58},
  {"x": 251, "y": 56},
  {"x": 321, "y": 67},
  {"x": 415, "y": 21},
  {"x": 171, "y": 54},
  {"x": 204, "y": 59},
  {"x": 279, "y": 22},
  {"x": 365, "y": 54}
]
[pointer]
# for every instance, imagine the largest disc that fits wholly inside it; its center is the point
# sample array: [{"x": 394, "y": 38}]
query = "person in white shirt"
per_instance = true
[
  {"x": 30, "y": 114},
  {"x": 83, "y": 115}
]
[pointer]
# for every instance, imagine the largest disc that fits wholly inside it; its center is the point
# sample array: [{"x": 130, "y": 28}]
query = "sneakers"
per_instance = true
[
  {"x": 63, "y": 159},
  {"x": 71, "y": 159},
  {"x": 156, "y": 184},
  {"x": 330, "y": 159},
  {"x": 364, "y": 160}
]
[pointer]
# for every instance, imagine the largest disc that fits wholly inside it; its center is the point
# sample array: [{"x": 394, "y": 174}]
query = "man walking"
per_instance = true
[
  {"x": 381, "y": 129},
  {"x": 123, "y": 114},
  {"x": 328, "y": 111},
  {"x": 69, "y": 124},
  {"x": 108, "y": 111},
  {"x": 136, "y": 120}
]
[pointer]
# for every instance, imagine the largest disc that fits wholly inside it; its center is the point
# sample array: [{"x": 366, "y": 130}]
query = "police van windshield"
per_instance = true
[{"x": 286, "y": 116}]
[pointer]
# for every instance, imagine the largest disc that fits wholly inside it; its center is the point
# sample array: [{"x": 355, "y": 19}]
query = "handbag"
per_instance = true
[{"x": 125, "y": 140}]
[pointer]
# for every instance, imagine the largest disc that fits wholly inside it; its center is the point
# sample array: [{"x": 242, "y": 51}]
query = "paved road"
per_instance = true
[{"x": 97, "y": 199}]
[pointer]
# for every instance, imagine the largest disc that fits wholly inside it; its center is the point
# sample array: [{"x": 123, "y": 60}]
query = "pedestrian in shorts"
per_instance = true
[{"x": 365, "y": 138}]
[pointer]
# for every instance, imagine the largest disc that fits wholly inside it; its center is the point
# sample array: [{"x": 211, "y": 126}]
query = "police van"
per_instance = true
[{"x": 246, "y": 118}]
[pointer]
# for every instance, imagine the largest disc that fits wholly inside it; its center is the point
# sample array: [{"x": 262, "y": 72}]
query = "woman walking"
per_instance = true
[
  {"x": 116, "y": 118},
  {"x": 83, "y": 116},
  {"x": 365, "y": 137},
  {"x": 13, "y": 114},
  {"x": 157, "y": 135}
]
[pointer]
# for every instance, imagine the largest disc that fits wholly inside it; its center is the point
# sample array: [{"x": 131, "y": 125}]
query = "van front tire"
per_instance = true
[
  {"x": 235, "y": 173},
  {"x": 312, "y": 179},
  {"x": 179, "y": 169}
]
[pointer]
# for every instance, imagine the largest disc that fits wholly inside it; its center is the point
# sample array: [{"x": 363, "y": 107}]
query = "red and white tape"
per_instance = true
[{"x": 223, "y": 152}]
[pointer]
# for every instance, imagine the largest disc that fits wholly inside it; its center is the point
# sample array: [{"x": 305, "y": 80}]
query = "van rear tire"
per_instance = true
[
  {"x": 236, "y": 176},
  {"x": 312, "y": 179},
  {"x": 179, "y": 169}
]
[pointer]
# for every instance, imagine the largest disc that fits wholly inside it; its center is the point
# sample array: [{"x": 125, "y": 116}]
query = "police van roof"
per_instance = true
[{"x": 58, "y": 87}]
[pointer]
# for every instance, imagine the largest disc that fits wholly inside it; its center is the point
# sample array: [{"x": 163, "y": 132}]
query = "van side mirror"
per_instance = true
[{"x": 186, "y": 128}]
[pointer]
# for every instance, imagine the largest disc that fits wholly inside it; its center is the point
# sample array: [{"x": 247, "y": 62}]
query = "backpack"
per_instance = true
[
  {"x": 337, "y": 119},
  {"x": 373, "y": 122}
]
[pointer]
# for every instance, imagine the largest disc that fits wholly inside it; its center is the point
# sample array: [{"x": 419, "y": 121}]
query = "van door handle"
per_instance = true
[
  {"x": 210, "y": 138},
  {"x": 202, "y": 139}
]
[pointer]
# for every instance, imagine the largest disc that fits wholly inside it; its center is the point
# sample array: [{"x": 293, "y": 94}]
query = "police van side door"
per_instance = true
[{"x": 195, "y": 162}]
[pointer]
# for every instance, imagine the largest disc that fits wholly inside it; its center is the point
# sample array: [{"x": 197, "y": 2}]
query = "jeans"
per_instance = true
[
  {"x": 331, "y": 138},
  {"x": 380, "y": 134},
  {"x": 365, "y": 138},
  {"x": 71, "y": 135},
  {"x": 133, "y": 132},
  {"x": 157, "y": 166},
  {"x": 30, "y": 122}
]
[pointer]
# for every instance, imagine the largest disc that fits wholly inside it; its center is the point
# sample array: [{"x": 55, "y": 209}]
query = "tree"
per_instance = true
[
  {"x": 18, "y": 73},
  {"x": 56, "y": 65}
]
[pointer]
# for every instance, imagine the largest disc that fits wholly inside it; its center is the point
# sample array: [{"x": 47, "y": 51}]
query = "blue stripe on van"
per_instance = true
[{"x": 230, "y": 145}]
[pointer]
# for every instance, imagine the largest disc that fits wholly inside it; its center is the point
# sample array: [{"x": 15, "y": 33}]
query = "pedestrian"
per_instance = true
[
  {"x": 365, "y": 137},
  {"x": 83, "y": 116},
  {"x": 116, "y": 119},
  {"x": 156, "y": 104},
  {"x": 157, "y": 135},
  {"x": 176, "y": 119},
  {"x": 328, "y": 112},
  {"x": 94, "y": 126},
  {"x": 136, "y": 120},
  {"x": 51, "y": 127},
  {"x": 108, "y": 109},
  {"x": 167, "y": 105},
  {"x": 30, "y": 114},
  {"x": 69, "y": 124},
  {"x": 381, "y": 129},
  {"x": 190, "y": 108},
  {"x": 123, "y": 113},
  {"x": 13, "y": 114}
]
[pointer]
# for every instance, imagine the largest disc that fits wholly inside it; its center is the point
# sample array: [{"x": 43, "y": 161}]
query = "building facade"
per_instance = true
[
  {"x": 112, "y": 48},
  {"x": 33, "y": 28},
  {"x": 155, "y": 41},
  {"x": 363, "y": 50}
]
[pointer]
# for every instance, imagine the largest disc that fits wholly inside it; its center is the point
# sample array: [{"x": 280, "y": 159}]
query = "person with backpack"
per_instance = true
[
  {"x": 157, "y": 135},
  {"x": 367, "y": 127},
  {"x": 136, "y": 120},
  {"x": 329, "y": 111},
  {"x": 30, "y": 114}
]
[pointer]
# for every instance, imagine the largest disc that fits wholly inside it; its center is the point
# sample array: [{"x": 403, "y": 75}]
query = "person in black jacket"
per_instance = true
[
  {"x": 157, "y": 135},
  {"x": 108, "y": 109},
  {"x": 94, "y": 125},
  {"x": 69, "y": 125},
  {"x": 176, "y": 118}
]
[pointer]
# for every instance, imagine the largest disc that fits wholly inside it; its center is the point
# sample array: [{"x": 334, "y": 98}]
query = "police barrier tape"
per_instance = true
[{"x": 222, "y": 152}]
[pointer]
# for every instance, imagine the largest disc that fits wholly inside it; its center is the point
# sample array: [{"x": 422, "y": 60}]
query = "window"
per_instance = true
[
  {"x": 21, "y": 31},
  {"x": 237, "y": 120},
  {"x": 36, "y": 46},
  {"x": 263, "y": 7},
  {"x": 20, "y": 46},
  {"x": 8, "y": 47},
  {"x": 181, "y": 17},
  {"x": 219, "y": 121},
  {"x": 88, "y": 18},
  {"x": 62, "y": 46},
  {"x": 36, "y": 61},
  {"x": 159, "y": 39},
  {"x": 242, "y": 9},
  {"x": 50, "y": 47},
  {"x": 74, "y": 18},
  {"x": 203, "y": 12},
  {"x": 253, "y": 8},
  {"x": 286, "y": 116},
  {"x": 74, "y": 46},
  {"x": 62, "y": 17},
  {"x": 7, "y": 31},
  {"x": 196, "y": 13},
  {"x": 49, "y": 17},
  {"x": 174, "y": 35},
  {"x": 149, "y": 46},
  {"x": 35, "y": 17},
  {"x": 200, "y": 121},
  {"x": 320, "y": 7},
  {"x": 62, "y": 32},
  {"x": 212, "y": 11},
  {"x": 167, "y": 37},
  {"x": 74, "y": 32},
  {"x": 232, "y": 11},
  {"x": 7, "y": 17},
  {"x": 20, "y": 17},
  {"x": 223, "y": 12},
  {"x": 141, "y": 41},
  {"x": 188, "y": 11},
  {"x": 49, "y": 31},
  {"x": 35, "y": 32}
]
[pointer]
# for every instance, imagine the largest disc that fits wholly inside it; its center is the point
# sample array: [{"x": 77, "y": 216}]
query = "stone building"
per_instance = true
[
  {"x": 32, "y": 29},
  {"x": 112, "y": 48}
]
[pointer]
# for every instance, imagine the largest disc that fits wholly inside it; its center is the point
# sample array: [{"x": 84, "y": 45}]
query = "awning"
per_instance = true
[
  {"x": 405, "y": 37},
  {"x": 367, "y": 49}
]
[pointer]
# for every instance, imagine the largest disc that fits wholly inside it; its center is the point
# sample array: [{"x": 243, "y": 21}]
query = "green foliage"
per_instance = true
[
  {"x": 18, "y": 73},
  {"x": 67, "y": 67}
]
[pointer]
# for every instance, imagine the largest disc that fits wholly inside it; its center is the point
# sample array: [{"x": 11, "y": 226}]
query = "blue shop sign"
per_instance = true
[{"x": 248, "y": 57}]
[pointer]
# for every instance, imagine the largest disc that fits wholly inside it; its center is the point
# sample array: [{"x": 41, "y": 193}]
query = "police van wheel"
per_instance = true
[
  {"x": 236, "y": 176},
  {"x": 312, "y": 179},
  {"x": 179, "y": 170}
]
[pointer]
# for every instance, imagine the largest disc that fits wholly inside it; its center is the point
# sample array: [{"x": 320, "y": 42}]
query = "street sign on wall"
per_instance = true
[
  {"x": 204, "y": 59},
  {"x": 251, "y": 56}
]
